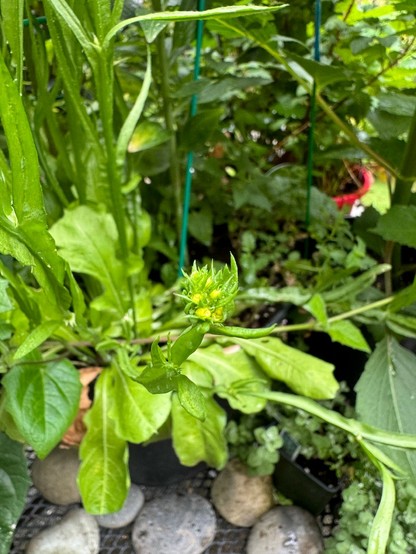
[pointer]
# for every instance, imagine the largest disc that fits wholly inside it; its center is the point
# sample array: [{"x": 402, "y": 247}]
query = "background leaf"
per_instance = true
[
  {"x": 43, "y": 400},
  {"x": 87, "y": 240},
  {"x": 386, "y": 395},
  {"x": 303, "y": 373},
  {"x": 226, "y": 369},
  {"x": 398, "y": 225},
  {"x": 203, "y": 440},
  {"x": 14, "y": 484},
  {"x": 345, "y": 332}
]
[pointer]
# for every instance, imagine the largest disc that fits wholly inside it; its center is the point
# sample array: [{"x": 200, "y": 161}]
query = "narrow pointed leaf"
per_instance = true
[
  {"x": 103, "y": 478},
  {"x": 191, "y": 398},
  {"x": 36, "y": 338},
  {"x": 216, "y": 13},
  {"x": 345, "y": 332}
]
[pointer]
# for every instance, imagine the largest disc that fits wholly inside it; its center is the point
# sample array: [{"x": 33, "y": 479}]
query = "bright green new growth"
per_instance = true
[{"x": 209, "y": 294}]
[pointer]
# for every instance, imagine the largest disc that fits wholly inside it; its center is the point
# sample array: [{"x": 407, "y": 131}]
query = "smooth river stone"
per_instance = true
[
  {"x": 174, "y": 524},
  {"x": 77, "y": 532},
  {"x": 285, "y": 530}
]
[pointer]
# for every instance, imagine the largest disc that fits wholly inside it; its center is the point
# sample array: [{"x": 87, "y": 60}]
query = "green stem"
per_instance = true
[
  {"x": 357, "y": 429},
  {"x": 313, "y": 325},
  {"x": 362, "y": 309},
  {"x": 174, "y": 168},
  {"x": 105, "y": 93}
]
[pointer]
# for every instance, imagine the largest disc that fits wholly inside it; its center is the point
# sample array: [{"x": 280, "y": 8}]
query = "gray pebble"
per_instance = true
[
  {"x": 132, "y": 506},
  {"x": 285, "y": 530},
  {"x": 55, "y": 477},
  {"x": 174, "y": 524},
  {"x": 76, "y": 533},
  {"x": 240, "y": 498}
]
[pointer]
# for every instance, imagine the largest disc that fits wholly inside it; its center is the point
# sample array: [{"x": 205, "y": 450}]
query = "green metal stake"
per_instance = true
[
  {"x": 190, "y": 157},
  {"x": 40, "y": 20}
]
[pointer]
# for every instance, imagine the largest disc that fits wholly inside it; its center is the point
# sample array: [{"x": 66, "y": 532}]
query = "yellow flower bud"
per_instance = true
[
  {"x": 203, "y": 313},
  {"x": 196, "y": 298},
  {"x": 218, "y": 314},
  {"x": 215, "y": 294}
]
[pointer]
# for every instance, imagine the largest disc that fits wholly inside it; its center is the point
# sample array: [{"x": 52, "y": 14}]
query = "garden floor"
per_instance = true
[{"x": 39, "y": 514}]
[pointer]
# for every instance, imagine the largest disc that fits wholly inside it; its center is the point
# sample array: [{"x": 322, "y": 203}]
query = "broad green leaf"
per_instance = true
[
  {"x": 228, "y": 368},
  {"x": 151, "y": 29},
  {"x": 322, "y": 74},
  {"x": 103, "y": 478},
  {"x": 197, "y": 374},
  {"x": 293, "y": 295},
  {"x": 201, "y": 225},
  {"x": 146, "y": 135},
  {"x": 87, "y": 240},
  {"x": 14, "y": 484},
  {"x": 137, "y": 413},
  {"x": 405, "y": 297},
  {"x": 398, "y": 225},
  {"x": 36, "y": 338},
  {"x": 345, "y": 332},
  {"x": 43, "y": 400},
  {"x": 159, "y": 379},
  {"x": 396, "y": 103},
  {"x": 303, "y": 373},
  {"x": 386, "y": 395},
  {"x": 191, "y": 398},
  {"x": 34, "y": 248},
  {"x": 203, "y": 440},
  {"x": 5, "y": 302},
  {"x": 316, "y": 306}
]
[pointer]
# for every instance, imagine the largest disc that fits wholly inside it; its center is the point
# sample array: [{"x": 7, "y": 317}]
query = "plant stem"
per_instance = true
[
  {"x": 105, "y": 92},
  {"x": 313, "y": 325},
  {"x": 357, "y": 429},
  {"x": 174, "y": 168}
]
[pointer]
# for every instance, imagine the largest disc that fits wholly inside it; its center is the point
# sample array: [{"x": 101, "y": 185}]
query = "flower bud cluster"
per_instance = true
[{"x": 209, "y": 294}]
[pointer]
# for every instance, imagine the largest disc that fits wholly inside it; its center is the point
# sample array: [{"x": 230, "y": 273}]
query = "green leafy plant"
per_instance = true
[
  {"x": 81, "y": 250},
  {"x": 69, "y": 185},
  {"x": 255, "y": 445}
]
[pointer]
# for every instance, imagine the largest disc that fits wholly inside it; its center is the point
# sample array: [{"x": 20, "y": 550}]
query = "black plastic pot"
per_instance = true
[
  {"x": 308, "y": 483},
  {"x": 156, "y": 464}
]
